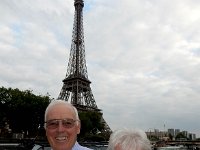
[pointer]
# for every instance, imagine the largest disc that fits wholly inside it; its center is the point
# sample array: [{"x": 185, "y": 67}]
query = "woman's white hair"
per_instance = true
[{"x": 129, "y": 139}]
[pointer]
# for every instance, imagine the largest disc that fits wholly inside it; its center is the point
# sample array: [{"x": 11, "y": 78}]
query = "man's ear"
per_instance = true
[{"x": 79, "y": 127}]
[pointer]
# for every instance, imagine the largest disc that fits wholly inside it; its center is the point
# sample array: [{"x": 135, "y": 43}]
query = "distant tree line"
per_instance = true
[{"x": 23, "y": 112}]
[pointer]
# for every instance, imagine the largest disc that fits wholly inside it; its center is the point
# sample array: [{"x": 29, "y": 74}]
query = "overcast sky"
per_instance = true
[{"x": 143, "y": 56}]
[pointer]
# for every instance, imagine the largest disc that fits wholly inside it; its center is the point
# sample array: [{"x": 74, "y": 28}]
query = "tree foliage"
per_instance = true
[
  {"x": 22, "y": 110},
  {"x": 91, "y": 126},
  {"x": 90, "y": 122},
  {"x": 180, "y": 136}
]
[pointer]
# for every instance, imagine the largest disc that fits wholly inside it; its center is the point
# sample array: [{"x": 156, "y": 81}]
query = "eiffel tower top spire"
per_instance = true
[
  {"x": 78, "y": 2},
  {"x": 77, "y": 63}
]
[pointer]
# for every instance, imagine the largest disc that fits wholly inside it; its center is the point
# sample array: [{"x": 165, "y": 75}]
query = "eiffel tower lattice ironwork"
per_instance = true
[{"x": 76, "y": 85}]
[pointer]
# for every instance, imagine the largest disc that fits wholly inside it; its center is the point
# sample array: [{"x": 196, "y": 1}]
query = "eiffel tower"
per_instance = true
[{"x": 76, "y": 85}]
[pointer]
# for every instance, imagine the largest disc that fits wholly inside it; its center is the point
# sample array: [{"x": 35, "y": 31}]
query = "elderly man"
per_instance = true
[{"x": 62, "y": 126}]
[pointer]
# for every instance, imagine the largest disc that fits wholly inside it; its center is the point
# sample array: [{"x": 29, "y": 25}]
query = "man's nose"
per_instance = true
[{"x": 60, "y": 126}]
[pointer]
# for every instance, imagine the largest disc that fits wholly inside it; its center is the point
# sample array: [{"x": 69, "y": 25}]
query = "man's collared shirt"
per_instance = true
[{"x": 79, "y": 147}]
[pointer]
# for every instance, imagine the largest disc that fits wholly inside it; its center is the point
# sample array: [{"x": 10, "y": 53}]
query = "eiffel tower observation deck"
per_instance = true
[{"x": 76, "y": 85}]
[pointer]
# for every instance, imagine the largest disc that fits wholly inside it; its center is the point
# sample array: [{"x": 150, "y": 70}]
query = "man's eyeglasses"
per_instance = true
[{"x": 54, "y": 123}]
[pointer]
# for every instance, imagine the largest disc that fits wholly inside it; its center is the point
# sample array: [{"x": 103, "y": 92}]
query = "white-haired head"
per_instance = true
[
  {"x": 60, "y": 102},
  {"x": 129, "y": 139}
]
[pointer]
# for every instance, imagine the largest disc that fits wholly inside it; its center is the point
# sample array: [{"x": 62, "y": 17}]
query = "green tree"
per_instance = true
[
  {"x": 170, "y": 136},
  {"x": 22, "y": 110},
  {"x": 91, "y": 125},
  {"x": 180, "y": 136}
]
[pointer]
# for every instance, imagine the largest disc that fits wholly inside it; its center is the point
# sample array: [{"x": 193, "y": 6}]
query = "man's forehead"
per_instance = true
[
  {"x": 61, "y": 105},
  {"x": 60, "y": 109}
]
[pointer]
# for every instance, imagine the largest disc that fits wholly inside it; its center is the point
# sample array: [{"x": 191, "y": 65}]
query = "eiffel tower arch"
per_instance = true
[{"x": 76, "y": 85}]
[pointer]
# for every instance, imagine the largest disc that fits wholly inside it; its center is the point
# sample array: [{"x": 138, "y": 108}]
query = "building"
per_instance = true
[{"x": 163, "y": 135}]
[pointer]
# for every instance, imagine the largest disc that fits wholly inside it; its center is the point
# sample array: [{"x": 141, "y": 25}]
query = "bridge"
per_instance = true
[{"x": 190, "y": 144}]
